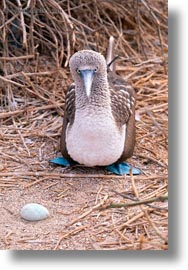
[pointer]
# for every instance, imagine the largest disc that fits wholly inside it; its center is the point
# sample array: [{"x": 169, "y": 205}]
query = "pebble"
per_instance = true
[{"x": 34, "y": 212}]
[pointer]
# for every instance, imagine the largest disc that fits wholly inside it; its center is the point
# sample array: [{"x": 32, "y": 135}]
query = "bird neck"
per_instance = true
[{"x": 100, "y": 94}]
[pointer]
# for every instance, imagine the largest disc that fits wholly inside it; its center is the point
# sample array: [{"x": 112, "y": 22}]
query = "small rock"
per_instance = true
[
  {"x": 34, "y": 212},
  {"x": 78, "y": 224},
  {"x": 28, "y": 141}
]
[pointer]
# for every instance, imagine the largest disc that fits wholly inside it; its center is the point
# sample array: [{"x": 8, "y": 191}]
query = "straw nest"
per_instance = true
[{"x": 89, "y": 208}]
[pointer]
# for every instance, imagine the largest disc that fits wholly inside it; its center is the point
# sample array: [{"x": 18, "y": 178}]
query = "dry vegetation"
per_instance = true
[{"x": 37, "y": 38}]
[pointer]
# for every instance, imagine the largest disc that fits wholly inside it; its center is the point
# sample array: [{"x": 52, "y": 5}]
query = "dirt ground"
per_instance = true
[
  {"x": 77, "y": 222},
  {"x": 78, "y": 198},
  {"x": 90, "y": 209}
]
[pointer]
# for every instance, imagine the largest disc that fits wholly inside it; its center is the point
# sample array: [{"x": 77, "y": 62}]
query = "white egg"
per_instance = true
[{"x": 34, "y": 212}]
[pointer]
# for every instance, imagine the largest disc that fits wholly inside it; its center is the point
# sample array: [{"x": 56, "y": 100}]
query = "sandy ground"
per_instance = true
[
  {"x": 78, "y": 198},
  {"x": 78, "y": 218},
  {"x": 32, "y": 98}
]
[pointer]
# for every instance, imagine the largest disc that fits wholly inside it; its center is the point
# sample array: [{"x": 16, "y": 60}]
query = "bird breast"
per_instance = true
[{"x": 94, "y": 139}]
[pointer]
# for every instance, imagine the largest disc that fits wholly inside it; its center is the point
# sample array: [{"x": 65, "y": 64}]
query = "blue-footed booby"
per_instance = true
[{"x": 99, "y": 118}]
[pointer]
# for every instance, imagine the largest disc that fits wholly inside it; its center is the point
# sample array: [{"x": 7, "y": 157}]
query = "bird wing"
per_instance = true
[
  {"x": 68, "y": 118},
  {"x": 123, "y": 110}
]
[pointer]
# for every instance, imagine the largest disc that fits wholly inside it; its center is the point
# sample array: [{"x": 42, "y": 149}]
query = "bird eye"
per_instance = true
[
  {"x": 78, "y": 70},
  {"x": 95, "y": 70}
]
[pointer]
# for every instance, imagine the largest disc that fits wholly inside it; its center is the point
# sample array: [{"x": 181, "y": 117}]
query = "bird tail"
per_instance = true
[{"x": 110, "y": 55}]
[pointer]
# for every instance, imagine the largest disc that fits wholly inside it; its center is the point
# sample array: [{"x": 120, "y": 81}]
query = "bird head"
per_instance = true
[{"x": 86, "y": 66}]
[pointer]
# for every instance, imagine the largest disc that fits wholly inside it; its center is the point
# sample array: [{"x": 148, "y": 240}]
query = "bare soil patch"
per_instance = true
[{"x": 33, "y": 81}]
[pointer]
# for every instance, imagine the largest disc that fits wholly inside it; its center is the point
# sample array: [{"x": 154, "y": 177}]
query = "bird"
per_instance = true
[{"x": 99, "y": 117}]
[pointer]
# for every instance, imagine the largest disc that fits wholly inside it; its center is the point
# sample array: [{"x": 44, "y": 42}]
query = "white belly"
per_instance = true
[{"x": 94, "y": 140}]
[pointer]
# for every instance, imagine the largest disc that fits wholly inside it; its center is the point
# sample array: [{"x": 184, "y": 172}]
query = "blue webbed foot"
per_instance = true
[
  {"x": 122, "y": 168},
  {"x": 62, "y": 161}
]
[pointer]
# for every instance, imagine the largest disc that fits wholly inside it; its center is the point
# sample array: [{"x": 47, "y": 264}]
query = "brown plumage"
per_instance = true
[{"x": 99, "y": 118}]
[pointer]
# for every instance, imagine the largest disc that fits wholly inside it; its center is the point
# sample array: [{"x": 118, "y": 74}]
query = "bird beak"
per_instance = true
[{"x": 87, "y": 76}]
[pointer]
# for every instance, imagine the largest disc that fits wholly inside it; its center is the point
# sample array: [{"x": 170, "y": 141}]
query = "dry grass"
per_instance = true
[{"x": 35, "y": 45}]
